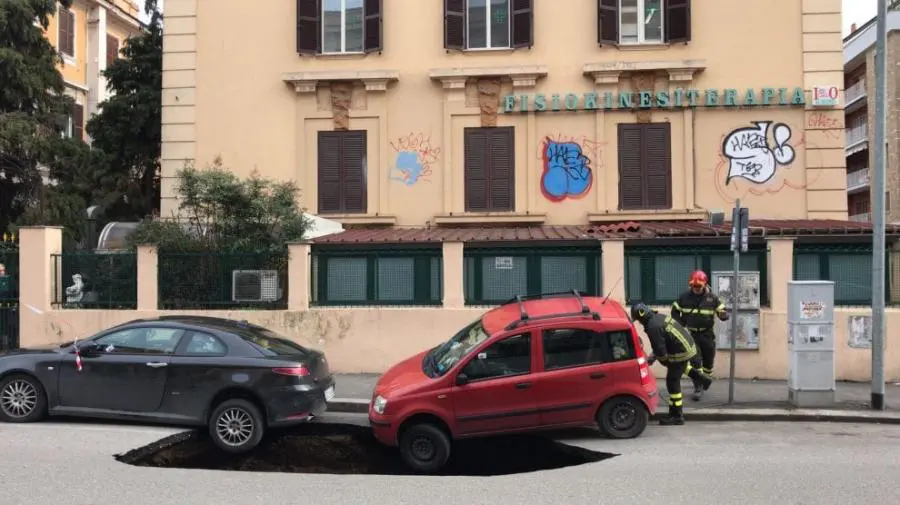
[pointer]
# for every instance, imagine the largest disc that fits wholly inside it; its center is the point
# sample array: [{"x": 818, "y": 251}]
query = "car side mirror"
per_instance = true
[
  {"x": 88, "y": 348},
  {"x": 462, "y": 379}
]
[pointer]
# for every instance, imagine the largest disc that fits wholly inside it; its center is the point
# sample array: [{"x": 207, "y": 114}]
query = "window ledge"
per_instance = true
[
  {"x": 68, "y": 60},
  {"x": 654, "y": 46},
  {"x": 370, "y": 219},
  {"x": 648, "y": 215},
  {"x": 339, "y": 56},
  {"x": 680, "y": 71},
  {"x": 489, "y": 218},
  {"x": 522, "y": 76},
  {"x": 489, "y": 50},
  {"x": 374, "y": 80}
]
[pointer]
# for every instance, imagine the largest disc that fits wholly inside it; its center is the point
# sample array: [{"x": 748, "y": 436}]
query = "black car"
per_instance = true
[{"x": 234, "y": 377}]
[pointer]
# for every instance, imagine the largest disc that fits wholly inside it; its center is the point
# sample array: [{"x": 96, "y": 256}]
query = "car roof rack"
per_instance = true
[{"x": 525, "y": 318}]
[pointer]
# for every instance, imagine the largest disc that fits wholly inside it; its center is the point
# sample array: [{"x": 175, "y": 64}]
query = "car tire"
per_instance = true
[
  {"x": 622, "y": 417},
  {"x": 236, "y": 426},
  {"x": 424, "y": 447},
  {"x": 22, "y": 399}
]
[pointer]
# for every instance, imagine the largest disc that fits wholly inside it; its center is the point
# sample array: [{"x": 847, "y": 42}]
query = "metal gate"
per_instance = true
[{"x": 9, "y": 293}]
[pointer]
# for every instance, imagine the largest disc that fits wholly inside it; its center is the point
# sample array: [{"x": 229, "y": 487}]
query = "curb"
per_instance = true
[{"x": 356, "y": 406}]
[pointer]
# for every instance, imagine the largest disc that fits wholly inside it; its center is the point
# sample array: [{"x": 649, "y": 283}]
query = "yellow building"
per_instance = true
[{"x": 90, "y": 36}]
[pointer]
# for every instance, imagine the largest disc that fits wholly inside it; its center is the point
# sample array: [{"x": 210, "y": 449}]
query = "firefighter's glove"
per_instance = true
[
  {"x": 651, "y": 359},
  {"x": 724, "y": 316}
]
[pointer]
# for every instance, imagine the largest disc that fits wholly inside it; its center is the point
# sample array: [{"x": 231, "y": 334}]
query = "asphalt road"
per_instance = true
[{"x": 721, "y": 463}]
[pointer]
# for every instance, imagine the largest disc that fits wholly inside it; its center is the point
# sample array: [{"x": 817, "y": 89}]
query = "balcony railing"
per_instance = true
[
  {"x": 865, "y": 217},
  {"x": 855, "y": 92},
  {"x": 857, "y": 179},
  {"x": 857, "y": 134}
]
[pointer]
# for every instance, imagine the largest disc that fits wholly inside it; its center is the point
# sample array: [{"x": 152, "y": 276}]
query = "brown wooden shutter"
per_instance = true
[
  {"x": 502, "y": 170},
  {"x": 353, "y": 171},
  {"x": 112, "y": 50},
  {"x": 329, "y": 172},
  {"x": 475, "y": 170},
  {"x": 631, "y": 176},
  {"x": 342, "y": 172},
  {"x": 522, "y": 20},
  {"x": 309, "y": 26},
  {"x": 373, "y": 40},
  {"x": 455, "y": 24},
  {"x": 78, "y": 121},
  {"x": 607, "y": 22},
  {"x": 678, "y": 21},
  {"x": 66, "y": 31},
  {"x": 656, "y": 147}
]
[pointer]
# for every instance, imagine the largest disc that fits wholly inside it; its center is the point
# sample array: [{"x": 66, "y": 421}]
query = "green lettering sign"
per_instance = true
[{"x": 664, "y": 99}]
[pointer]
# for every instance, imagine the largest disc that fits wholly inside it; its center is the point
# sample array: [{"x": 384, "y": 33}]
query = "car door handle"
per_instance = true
[
  {"x": 598, "y": 375},
  {"x": 157, "y": 364},
  {"x": 523, "y": 385}
]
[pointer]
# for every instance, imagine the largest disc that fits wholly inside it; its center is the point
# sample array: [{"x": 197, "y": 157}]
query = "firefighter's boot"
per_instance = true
[
  {"x": 675, "y": 417},
  {"x": 698, "y": 392}
]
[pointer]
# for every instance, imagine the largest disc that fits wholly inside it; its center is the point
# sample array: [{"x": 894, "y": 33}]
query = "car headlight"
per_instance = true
[{"x": 379, "y": 404}]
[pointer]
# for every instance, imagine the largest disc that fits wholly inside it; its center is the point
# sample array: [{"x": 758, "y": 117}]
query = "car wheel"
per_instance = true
[
  {"x": 236, "y": 426},
  {"x": 424, "y": 447},
  {"x": 622, "y": 417},
  {"x": 22, "y": 399}
]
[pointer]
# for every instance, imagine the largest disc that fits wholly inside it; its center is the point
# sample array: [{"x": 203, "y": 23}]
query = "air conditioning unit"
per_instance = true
[{"x": 255, "y": 286}]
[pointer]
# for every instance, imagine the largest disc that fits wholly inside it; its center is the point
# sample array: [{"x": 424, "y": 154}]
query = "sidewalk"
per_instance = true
[{"x": 753, "y": 400}]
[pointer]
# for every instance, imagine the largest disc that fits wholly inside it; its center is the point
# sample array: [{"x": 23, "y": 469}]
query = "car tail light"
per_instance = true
[
  {"x": 646, "y": 376},
  {"x": 296, "y": 371}
]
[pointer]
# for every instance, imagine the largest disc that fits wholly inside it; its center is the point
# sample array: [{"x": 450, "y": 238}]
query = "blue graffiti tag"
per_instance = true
[
  {"x": 408, "y": 165},
  {"x": 567, "y": 171}
]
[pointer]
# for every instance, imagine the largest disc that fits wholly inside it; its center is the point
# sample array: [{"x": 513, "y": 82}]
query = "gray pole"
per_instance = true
[
  {"x": 736, "y": 227},
  {"x": 878, "y": 217}
]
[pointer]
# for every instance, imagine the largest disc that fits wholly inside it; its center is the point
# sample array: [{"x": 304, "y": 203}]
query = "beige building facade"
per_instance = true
[{"x": 475, "y": 150}]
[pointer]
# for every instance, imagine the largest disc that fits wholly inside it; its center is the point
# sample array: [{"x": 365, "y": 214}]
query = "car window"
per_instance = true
[
  {"x": 204, "y": 344},
  {"x": 141, "y": 341},
  {"x": 573, "y": 347},
  {"x": 510, "y": 356},
  {"x": 270, "y": 343}
]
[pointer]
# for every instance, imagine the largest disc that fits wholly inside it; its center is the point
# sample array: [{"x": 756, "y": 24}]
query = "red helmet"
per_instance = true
[{"x": 698, "y": 279}]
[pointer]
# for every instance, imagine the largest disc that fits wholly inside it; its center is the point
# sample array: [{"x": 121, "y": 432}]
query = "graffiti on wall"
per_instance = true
[
  {"x": 414, "y": 156},
  {"x": 567, "y": 166},
  {"x": 752, "y": 160},
  {"x": 830, "y": 126},
  {"x": 752, "y": 157}
]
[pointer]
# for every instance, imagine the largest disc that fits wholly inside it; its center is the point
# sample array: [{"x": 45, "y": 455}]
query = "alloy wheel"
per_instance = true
[
  {"x": 235, "y": 427},
  {"x": 18, "y": 399}
]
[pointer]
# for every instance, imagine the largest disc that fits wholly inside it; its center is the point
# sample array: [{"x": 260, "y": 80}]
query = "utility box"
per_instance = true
[{"x": 811, "y": 343}]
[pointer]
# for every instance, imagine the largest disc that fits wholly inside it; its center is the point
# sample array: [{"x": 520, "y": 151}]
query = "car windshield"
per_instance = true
[
  {"x": 270, "y": 343},
  {"x": 450, "y": 352}
]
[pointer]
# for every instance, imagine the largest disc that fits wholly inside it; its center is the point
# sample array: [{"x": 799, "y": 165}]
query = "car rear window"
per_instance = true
[{"x": 270, "y": 343}]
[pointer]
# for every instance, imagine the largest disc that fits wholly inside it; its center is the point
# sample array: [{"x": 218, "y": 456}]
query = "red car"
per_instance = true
[{"x": 536, "y": 362}]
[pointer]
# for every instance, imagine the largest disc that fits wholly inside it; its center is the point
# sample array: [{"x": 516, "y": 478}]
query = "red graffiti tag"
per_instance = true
[{"x": 831, "y": 126}]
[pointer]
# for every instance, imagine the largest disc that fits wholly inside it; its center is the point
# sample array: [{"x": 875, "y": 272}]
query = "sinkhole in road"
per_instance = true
[{"x": 350, "y": 449}]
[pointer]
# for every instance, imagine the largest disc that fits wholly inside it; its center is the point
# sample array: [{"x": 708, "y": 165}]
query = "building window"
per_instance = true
[
  {"x": 628, "y": 22},
  {"x": 488, "y": 24},
  {"x": 645, "y": 166},
  {"x": 342, "y": 172},
  {"x": 493, "y": 276},
  {"x": 75, "y": 123},
  {"x": 339, "y": 26},
  {"x": 848, "y": 266},
  {"x": 112, "y": 50},
  {"x": 66, "y": 32},
  {"x": 386, "y": 276},
  {"x": 489, "y": 157}
]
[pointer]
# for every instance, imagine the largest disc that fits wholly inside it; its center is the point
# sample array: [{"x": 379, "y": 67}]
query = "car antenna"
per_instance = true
[{"x": 611, "y": 290}]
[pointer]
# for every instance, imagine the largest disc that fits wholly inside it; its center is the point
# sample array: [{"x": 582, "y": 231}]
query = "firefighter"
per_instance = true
[
  {"x": 696, "y": 310},
  {"x": 674, "y": 348}
]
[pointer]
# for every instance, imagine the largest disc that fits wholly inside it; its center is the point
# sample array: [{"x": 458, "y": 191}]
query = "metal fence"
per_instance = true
[
  {"x": 90, "y": 280},
  {"x": 849, "y": 266},
  {"x": 9, "y": 292},
  {"x": 223, "y": 280},
  {"x": 658, "y": 275},
  {"x": 397, "y": 276},
  {"x": 494, "y": 275}
]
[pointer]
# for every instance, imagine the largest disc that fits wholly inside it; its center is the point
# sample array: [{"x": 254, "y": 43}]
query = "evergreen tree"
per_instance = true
[
  {"x": 33, "y": 107},
  {"x": 128, "y": 127}
]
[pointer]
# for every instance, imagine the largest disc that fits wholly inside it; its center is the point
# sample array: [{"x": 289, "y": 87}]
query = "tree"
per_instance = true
[
  {"x": 33, "y": 107},
  {"x": 128, "y": 127},
  {"x": 219, "y": 211}
]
